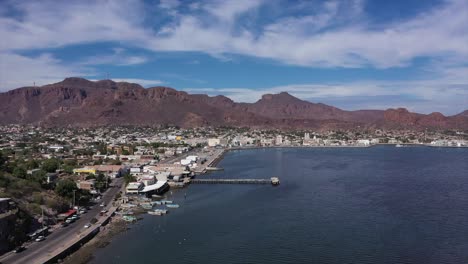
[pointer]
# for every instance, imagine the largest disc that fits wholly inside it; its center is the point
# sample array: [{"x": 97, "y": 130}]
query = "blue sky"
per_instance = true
[{"x": 353, "y": 54}]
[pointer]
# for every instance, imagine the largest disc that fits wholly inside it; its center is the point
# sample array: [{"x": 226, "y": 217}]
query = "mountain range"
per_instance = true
[{"x": 80, "y": 102}]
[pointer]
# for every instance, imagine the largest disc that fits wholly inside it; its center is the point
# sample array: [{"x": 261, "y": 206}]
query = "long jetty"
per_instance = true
[{"x": 274, "y": 181}]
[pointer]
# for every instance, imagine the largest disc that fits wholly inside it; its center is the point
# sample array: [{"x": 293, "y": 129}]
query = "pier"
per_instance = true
[{"x": 273, "y": 181}]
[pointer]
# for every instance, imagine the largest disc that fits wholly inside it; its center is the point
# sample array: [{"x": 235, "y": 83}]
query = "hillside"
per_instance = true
[{"x": 80, "y": 102}]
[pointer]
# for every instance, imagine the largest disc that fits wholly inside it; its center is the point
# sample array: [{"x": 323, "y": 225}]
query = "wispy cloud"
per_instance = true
[{"x": 118, "y": 58}]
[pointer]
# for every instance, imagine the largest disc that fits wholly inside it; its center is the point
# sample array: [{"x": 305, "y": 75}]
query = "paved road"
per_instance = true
[{"x": 58, "y": 238}]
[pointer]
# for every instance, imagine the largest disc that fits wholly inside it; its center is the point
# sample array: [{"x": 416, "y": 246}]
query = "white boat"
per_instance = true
[
  {"x": 154, "y": 212},
  {"x": 172, "y": 205},
  {"x": 162, "y": 211},
  {"x": 399, "y": 145}
]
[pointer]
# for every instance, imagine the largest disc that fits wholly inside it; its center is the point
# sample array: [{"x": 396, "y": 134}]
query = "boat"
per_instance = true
[
  {"x": 155, "y": 212},
  {"x": 158, "y": 212},
  {"x": 172, "y": 205},
  {"x": 166, "y": 201},
  {"x": 162, "y": 211},
  {"x": 147, "y": 206},
  {"x": 275, "y": 181},
  {"x": 129, "y": 218},
  {"x": 398, "y": 145}
]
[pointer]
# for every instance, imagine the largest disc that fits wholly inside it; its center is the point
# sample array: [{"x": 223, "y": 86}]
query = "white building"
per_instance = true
[
  {"x": 279, "y": 140},
  {"x": 134, "y": 187}
]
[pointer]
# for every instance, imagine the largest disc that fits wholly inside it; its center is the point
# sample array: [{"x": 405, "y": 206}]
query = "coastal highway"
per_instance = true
[{"x": 61, "y": 235}]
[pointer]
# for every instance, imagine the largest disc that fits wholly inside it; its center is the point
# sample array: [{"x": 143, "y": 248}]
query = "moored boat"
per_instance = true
[
  {"x": 172, "y": 205},
  {"x": 154, "y": 212}
]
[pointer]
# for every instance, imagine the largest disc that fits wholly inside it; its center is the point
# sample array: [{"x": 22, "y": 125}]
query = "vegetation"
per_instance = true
[
  {"x": 65, "y": 188},
  {"x": 128, "y": 178},
  {"x": 50, "y": 165}
]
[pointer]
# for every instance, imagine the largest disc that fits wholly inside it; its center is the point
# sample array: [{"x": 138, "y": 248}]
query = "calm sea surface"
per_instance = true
[{"x": 334, "y": 205}]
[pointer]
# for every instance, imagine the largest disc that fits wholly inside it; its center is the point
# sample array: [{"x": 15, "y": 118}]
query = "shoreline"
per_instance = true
[{"x": 85, "y": 253}]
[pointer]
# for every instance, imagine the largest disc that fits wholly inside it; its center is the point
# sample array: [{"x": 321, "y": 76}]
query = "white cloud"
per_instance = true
[
  {"x": 117, "y": 58},
  {"x": 330, "y": 37},
  {"x": 17, "y": 71}
]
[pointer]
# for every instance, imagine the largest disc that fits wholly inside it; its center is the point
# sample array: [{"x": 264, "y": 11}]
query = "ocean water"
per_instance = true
[{"x": 334, "y": 205}]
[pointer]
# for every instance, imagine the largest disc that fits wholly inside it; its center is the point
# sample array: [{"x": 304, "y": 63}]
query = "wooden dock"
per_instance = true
[{"x": 274, "y": 181}]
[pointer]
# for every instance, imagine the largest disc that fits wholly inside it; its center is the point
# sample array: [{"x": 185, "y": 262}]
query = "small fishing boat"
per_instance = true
[
  {"x": 154, "y": 212},
  {"x": 147, "y": 206},
  {"x": 172, "y": 205},
  {"x": 166, "y": 201},
  {"x": 162, "y": 211}
]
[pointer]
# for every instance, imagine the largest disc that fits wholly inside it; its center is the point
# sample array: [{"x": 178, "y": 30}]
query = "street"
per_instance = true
[{"x": 59, "y": 237}]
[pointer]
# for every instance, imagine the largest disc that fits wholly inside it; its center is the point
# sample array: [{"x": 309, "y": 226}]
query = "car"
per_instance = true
[
  {"x": 75, "y": 217},
  {"x": 40, "y": 238},
  {"x": 82, "y": 211},
  {"x": 87, "y": 226},
  {"x": 19, "y": 249},
  {"x": 102, "y": 205},
  {"x": 65, "y": 224}
]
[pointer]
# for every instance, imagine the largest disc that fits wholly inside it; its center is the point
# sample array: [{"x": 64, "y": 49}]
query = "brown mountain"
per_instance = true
[{"x": 80, "y": 102}]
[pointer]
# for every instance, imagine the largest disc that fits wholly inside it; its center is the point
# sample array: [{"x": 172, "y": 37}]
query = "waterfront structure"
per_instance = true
[{"x": 134, "y": 187}]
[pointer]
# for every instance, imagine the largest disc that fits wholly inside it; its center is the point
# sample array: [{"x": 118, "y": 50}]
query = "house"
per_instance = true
[
  {"x": 135, "y": 171},
  {"x": 51, "y": 177},
  {"x": 85, "y": 170},
  {"x": 33, "y": 171},
  {"x": 88, "y": 185}
]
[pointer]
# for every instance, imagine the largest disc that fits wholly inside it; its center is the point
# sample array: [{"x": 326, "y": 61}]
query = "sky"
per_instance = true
[{"x": 353, "y": 54}]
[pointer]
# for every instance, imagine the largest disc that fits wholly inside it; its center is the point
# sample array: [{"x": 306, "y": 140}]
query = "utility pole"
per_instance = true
[
  {"x": 74, "y": 199},
  {"x": 42, "y": 218}
]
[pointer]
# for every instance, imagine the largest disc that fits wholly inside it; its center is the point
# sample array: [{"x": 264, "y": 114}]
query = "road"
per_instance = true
[{"x": 59, "y": 237}]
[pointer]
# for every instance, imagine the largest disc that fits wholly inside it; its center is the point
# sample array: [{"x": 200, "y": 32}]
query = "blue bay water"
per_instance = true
[{"x": 334, "y": 205}]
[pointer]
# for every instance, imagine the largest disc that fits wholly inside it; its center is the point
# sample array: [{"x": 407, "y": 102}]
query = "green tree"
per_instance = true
[
  {"x": 128, "y": 178},
  {"x": 19, "y": 172},
  {"x": 32, "y": 164},
  {"x": 2, "y": 159},
  {"x": 101, "y": 181},
  {"x": 39, "y": 177},
  {"x": 68, "y": 169},
  {"x": 65, "y": 188},
  {"x": 50, "y": 165}
]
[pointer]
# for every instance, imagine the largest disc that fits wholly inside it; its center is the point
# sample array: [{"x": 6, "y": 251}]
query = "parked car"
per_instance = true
[
  {"x": 40, "y": 238},
  {"x": 82, "y": 211},
  {"x": 19, "y": 249},
  {"x": 87, "y": 226},
  {"x": 65, "y": 224},
  {"x": 102, "y": 205}
]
